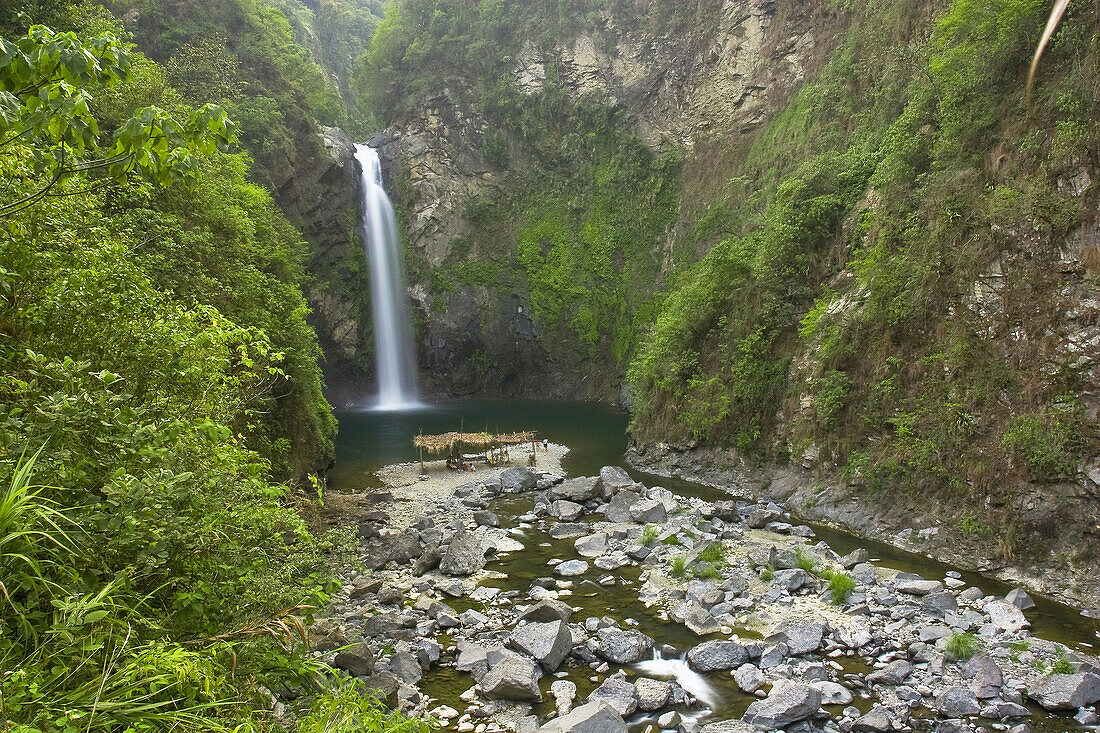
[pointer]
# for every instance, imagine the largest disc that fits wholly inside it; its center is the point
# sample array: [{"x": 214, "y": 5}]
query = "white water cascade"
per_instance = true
[
  {"x": 684, "y": 675},
  {"x": 394, "y": 356}
]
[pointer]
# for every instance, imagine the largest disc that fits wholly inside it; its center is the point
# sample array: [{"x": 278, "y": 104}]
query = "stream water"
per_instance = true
[{"x": 596, "y": 435}]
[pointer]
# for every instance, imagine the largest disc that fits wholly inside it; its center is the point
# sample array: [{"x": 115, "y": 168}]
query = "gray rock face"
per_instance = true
[
  {"x": 855, "y": 557},
  {"x": 1006, "y": 617},
  {"x": 893, "y": 673},
  {"x": 548, "y": 643},
  {"x": 518, "y": 479},
  {"x": 566, "y": 510},
  {"x": 618, "y": 693},
  {"x": 1067, "y": 691},
  {"x": 801, "y": 637},
  {"x": 987, "y": 676},
  {"x": 648, "y": 511},
  {"x": 623, "y": 647},
  {"x": 593, "y": 717},
  {"x": 549, "y": 609},
  {"x": 749, "y": 678},
  {"x": 569, "y": 568},
  {"x": 356, "y": 661},
  {"x": 564, "y": 692},
  {"x": 760, "y": 516},
  {"x": 938, "y": 604},
  {"x": 789, "y": 702},
  {"x": 719, "y": 654},
  {"x": 577, "y": 490},
  {"x": 512, "y": 678},
  {"x": 791, "y": 580},
  {"x": 406, "y": 667},
  {"x": 832, "y": 693},
  {"x": 918, "y": 587},
  {"x": 1000, "y": 710},
  {"x": 875, "y": 721},
  {"x": 700, "y": 620},
  {"x": 728, "y": 726},
  {"x": 485, "y": 518},
  {"x": 465, "y": 555},
  {"x": 618, "y": 509},
  {"x": 955, "y": 702},
  {"x": 613, "y": 479},
  {"x": 652, "y": 694},
  {"x": 1019, "y": 599},
  {"x": 592, "y": 545}
]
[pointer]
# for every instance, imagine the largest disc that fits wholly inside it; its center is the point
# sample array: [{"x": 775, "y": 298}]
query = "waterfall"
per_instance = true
[{"x": 394, "y": 356}]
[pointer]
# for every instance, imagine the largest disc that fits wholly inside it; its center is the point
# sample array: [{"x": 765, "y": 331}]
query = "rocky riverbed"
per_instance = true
[{"x": 526, "y": 601}]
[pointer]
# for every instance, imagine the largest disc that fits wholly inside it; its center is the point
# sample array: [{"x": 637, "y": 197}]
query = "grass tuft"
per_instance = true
[{"x": 961, "y": 647}]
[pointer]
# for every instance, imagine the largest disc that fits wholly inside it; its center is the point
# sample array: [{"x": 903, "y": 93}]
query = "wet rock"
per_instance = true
[
  {"x": 485, "y": 518},
  {"x": 618, "y": 693},
  {"x": 669, "y": 720},
  {"x": 566, "y": 510},
  {"x": 465, "y": 555},
  {"x": 718, "y": 654},
  {"x": 652, "y": 694},
  {"x": 918, "y": 587},
  {"x": 593, "y": 717},
  {"x": 546, "y": 610},
  {"x": 512, "y": 678},
  {"x": 1006, "y": 617},
  {"x": 577, "y": 490},
  {"x": 1001, "y": 710},
  {"x": 987, "y": 676},
  {"x": 1066, "y": 691},
  {"x": 832, "y": 693},
  {"x": 592, "y": 545},
  {"x": 623, "y": 647},
  {"x": 759, "y": 517},
  {"x": 1019, "y": 599},
  {"x": 801, "y": 637},
  {"x": 1086, "y": 716},
  {"x": 613, "y": 479},
  {"x": 568, "y": 530},
  {"x": 956, "y": 702},
  {"x": 894, "y": 673},
  {"x": 570, "y": 568},
  {"x": 515, "y": 480},
  {"x": 564, "y": 692},
  {"x": 749, "y": 678},
  {"x": 358, "y": 661},
  {"x": 875, "y": 721},
  {"x": 548, "y": 643},
  {"x": 788, "y": 702},
  {"x": 648, "y": 511},
  {"x": 700, "y": 620}
]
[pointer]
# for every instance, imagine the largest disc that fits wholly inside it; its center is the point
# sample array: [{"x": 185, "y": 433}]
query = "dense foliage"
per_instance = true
[{"x": 157, "y": 382}]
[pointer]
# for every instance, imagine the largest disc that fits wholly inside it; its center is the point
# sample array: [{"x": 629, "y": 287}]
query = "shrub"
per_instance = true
[
  {"x": 671, "y": 540},
  {"x": 805, "y": 561},
  {"x": 841, "y": 586},
  {"x": 961, "y": 647},
  {"x": 1062, "y": 666}
]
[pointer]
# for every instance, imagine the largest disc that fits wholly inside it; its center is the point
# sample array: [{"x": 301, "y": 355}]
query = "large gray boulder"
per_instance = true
[
  {"x": 358, "y": 661},
  {"x": 987, "y": 675},
  {"x": 648, "y": 511},
  {"x": 577, "y": 490},
  {"x": 788, "y": 702},
  {"x": 548, "y": 643},
  {"x": 614, "y": 479},
  {"x": 1019, "y": 599},
  {"x": 594, "y": 717},
  {"x": 749, "y": 678},
  {"x": 618, "y": 509},
  {"x": 512, "y": 678},
  {"x": 1067, "y": 691},
  {"x": 546, "y": 610},
  {"x": 1006, "y": 617},
  {"x": 592, "y": 545},
  {"x": 955, "y": 702},
  {"x": 893, "y": 673},
  {"x": 652, "y": 694},
  {"x": 618, "y": 693},
  {"x": 728, "y": 726},
  {"x": 623, "y": 647},
  {"x": 566, "y": 510},
  {"x": 918, "y": 586},
  {"x": 465, "y": 555},
  {"x": 515, "y": 480},
  {"x": 801, "y": 637},
  {"x": 720, "y": 654}
]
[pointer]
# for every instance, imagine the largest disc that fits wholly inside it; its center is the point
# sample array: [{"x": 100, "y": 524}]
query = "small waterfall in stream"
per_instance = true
[
  {"x": 685, "y": 676},
  {"x": 394, "y": 356}
]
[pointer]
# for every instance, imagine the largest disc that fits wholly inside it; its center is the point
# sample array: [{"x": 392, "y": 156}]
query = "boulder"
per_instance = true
[
  {"x": 939, "y": 604},
  {"x": 570, "y": 568},
  {"x": 613, "y": 479},
  {"x": 577, "y": 490},
  {"x": 918, "y": 586},
  {"x": 623, "y": 647},
  {"x": 648, "y": 511},
  {"x": 593, "y": 717},
  {"x": 700, "y": 620},
  {"x": 618, "y": 693},
  {"x": 791, "y": 580},
  {"x": 566, "y": 510},
  {"x": 853, "y": 558},
  {"x": 788, "y": 702},
  {"x": 592, "y": 545},
  {"x": 759, "y": 517},
  {"x": 548, "y": 643},
  {"x": 512, "y": 678},
  {"x": 894, "y": 673},
  {"x": 728, "y": 726},
  {"x": 464, "y": 556},
  {"x": 428, "y": 561},
  {"x": 987, "y": 676},
  {"x": 406, "y": 667},
  {"x": 719, "y": 654},
  {"x": 564, "y": 692},
  {"x": 955, "y": 702},
  {"x": 1019, "y": 599},
  {"x": 1001, "y": 710},
  {"x": 749, "y": 678},
  {"x": 515, "y": 480},
  {"x": 1066, "y": 691},
  {"x": 652, "y": 694},
  {"x": 875, "y": 721},
  {"x": 569, "y": 530},
  {"x": 618, "y": 509},
  {"x": 801, "y": 637},
  {"x": 1006, "y": 617},
  {"x": 358, "y": 661},
  {"x": 383, "y": 686},
  {"x": 832, "y": 693},
  {"x": 548, "y": 609}
]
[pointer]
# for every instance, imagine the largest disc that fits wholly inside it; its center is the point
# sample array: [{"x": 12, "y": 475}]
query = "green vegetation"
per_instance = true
[
  {"x": 672, "y": 539},
  {"x": 767, "y": 574},
  {"x": 961, "y": 647},
  {"x": 160, "y": 406},
  {"x": 715, "y": 552},
  {"x": 706, "y": 571},
  {"x": 649, "y": 534},
  {"x": 1062, "y": 666},
  {"x": 805, "y": 560},
  {"x": 841, "y": 586},
  {"x": 678, "y": 566}
]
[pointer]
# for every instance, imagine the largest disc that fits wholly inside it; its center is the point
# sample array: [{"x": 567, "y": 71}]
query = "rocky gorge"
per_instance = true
[{"x": 529, "y": 601}]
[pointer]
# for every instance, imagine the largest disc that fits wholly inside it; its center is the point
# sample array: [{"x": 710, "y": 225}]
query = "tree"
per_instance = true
[{"x": 48, "y": 132}]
